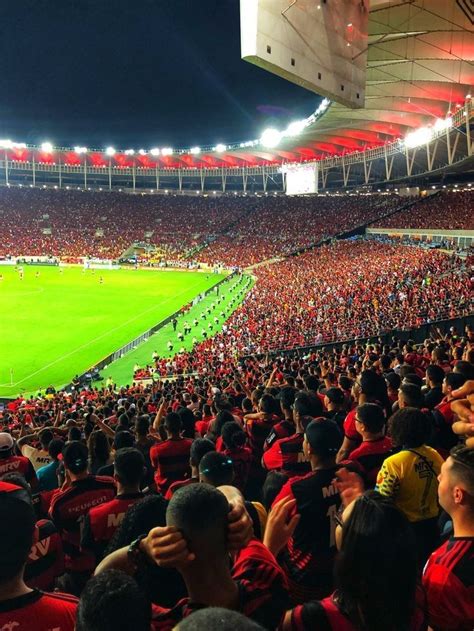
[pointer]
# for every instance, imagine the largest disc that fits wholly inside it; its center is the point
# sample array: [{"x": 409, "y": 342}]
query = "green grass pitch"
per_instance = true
[{"x": 62, "y": 322}]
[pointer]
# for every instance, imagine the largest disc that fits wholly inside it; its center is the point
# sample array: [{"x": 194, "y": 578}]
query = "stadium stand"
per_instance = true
[
  {"x": 241, "y": 231},
  {"x": 106, "y": 224},
  {"x": 450, "y": 210},
  {"x": 282, "y": 225}
]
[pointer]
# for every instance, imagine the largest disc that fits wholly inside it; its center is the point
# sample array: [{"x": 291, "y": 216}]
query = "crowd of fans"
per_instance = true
[
  {"x": 346, "y": 289},
  {"x": 282, "y": 225},
  {"x": 449, "y": 210},
  {"x": 104, "y": 225},
  {"x": 331, "y": 490},
  {"x": 228, "y": 230}
]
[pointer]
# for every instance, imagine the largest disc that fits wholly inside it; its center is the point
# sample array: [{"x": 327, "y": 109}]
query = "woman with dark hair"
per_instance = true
[
  {"x": 99, "y": 451},
  {"x": 375, "y": 573},
  {"x": 234, "y": 441},
  {"x": 410, "y": 477}
]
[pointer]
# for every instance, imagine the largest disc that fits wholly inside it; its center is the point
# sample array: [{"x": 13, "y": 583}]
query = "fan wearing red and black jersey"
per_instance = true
[
  {"x": 9, "y": 463},
  {"x": 448, "y": 576},
  {"x": 249, "y": 581},
  {"x": 375, "y": 446},
  {"x": 79, "y": 493},
  {"x": 101, "y": 522},
  {"x": 23, "y": 608},
  {"x": 308, "y": 558}
]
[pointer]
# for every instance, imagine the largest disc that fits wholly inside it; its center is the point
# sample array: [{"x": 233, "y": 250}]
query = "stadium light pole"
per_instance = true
[
  {"x": 6, "y": 167},
  {"x": 110, "y": 151}
]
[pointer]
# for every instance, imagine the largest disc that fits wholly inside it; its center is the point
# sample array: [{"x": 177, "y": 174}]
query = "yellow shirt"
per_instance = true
[{"x": 411, "y": 481}]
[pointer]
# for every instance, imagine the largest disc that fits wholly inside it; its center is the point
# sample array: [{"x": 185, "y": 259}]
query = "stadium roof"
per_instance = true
[{"x": 420, "y": 69}]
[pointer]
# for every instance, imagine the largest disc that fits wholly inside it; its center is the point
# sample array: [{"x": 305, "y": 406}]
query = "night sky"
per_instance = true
[{"x": 134, "y": 73}]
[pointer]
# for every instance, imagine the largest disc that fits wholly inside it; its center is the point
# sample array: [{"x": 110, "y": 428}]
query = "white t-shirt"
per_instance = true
[{"x": 38, "y": 457}]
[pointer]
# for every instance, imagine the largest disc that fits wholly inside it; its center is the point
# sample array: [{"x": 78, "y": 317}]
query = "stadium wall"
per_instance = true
[{"x": 418, "y": 335}]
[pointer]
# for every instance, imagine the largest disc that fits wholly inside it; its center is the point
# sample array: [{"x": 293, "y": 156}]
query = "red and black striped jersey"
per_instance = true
[
  {"x": 46, "y": 559},
  {"x": 370, "y": 455},
  {"x": 262, "y": 587},
  {"x": 170, "y": 459},
  {"x": 283, "y": 429},
  {"x": 67, "y": 511},
  {"x": 448, "y": 579},
  {"x": 257, "y": 432},
  {"x": 102, "y": 521},
  {"x": 39, "y": 611},
  {"x": 325, "y": 615},
  {"x": 308, "y": 558},
  {"x": 19, "y": 464},
  {"x": 287, "y": 455}
]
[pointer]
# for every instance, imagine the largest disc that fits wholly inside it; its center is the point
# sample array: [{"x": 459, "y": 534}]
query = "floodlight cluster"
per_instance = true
[
  {"x": 271, "y": 137},
  {"x": 9, "y": 144},
  {"x": 424, "y": 135}
]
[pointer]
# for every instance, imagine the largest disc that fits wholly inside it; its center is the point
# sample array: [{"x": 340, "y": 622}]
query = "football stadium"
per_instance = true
[{"x": 237, "y": 316}]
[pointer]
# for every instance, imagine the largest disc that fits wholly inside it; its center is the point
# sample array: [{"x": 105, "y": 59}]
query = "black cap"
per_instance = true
[{"x": 324, "y": 437}]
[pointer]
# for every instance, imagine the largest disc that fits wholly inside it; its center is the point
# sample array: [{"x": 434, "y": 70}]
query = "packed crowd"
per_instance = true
[
  {"x": 447, "y": 210},
  {"x": 282, "y": 225},
  {"x": 332, "y": 490},
  {"x": 104, "y": 225},
  {"x": 344, "y": 290},
  {"x": 228, "y": 230}
]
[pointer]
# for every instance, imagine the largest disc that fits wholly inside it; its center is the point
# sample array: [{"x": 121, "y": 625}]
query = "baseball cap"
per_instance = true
[
  {"x": 324, "y": 437},
  {"x": 6, "y": 441}
]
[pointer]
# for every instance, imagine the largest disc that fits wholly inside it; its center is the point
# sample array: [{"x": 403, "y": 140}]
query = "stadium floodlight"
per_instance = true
[
  {"x": 110, "y": 151},
  {"x": 80, "y": 149},
  {"x": 195, "y": 150},
  {"x": 419, "y": 137},
  {"x": 46, "y": 147},
  {"x": 167, "y": 151},
  {"x": 129, "y": 152},
  {"x": 155, "y": 151},
  {"x": 6, "y": 144},
  {"x": 270, "y": 138},
  {"x": 295, "y": 128},
  {"x": 142, "y": 152},
  {"x": 442, "y": 124},
  {"x": 220, "y": 148}
]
